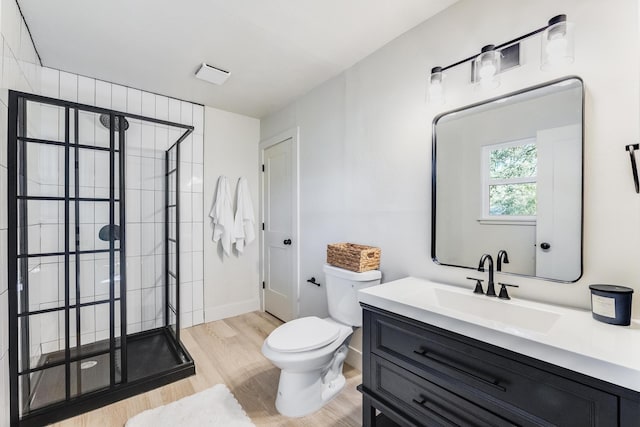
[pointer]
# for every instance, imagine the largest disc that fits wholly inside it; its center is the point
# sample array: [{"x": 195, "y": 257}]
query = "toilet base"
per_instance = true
[{"x": 302, "y": 393}]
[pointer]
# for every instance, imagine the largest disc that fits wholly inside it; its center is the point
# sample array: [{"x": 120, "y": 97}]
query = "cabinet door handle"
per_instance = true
[
  {"x": 447, "y": 364},
  {"x": 434, "y": 410}
]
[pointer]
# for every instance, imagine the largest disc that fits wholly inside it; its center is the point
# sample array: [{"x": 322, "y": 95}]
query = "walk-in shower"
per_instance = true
[{"x": 73, "y": 172}]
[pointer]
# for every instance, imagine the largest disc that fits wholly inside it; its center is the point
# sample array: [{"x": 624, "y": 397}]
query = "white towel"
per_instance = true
[
  {"x": 222, "y": 216},
  {"x": 244, "y": 222}
]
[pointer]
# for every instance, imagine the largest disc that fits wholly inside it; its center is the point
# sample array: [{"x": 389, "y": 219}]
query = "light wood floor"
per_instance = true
[{"x": 228, "y": 351}]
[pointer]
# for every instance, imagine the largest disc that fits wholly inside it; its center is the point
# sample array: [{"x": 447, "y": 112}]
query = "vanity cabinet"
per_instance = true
[{"x": 418, "y": 374}]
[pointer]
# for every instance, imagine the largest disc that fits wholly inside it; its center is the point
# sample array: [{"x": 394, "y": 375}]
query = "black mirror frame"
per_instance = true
[{"x": 434, "y": 170}]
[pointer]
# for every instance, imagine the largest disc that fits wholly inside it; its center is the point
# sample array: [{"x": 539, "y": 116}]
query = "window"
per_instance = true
[{"x": 509, "y": 173}]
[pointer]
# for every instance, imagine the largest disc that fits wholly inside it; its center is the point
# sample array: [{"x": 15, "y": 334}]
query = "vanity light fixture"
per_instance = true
[
  {"x": 557, "y": 48},
  {"x": 436, "y": 88},
  {"x": 557, "y": 43}
]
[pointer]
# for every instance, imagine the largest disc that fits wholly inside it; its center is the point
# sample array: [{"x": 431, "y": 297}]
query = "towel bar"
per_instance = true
[{"x": 313, "y": 281}]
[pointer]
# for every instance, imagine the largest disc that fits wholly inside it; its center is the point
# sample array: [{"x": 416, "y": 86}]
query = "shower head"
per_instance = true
[{"x": 105, "y": 120}]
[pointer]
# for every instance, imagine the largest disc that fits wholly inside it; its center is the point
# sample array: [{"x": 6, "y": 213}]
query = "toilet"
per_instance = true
[{"x": 310, "y": 351}]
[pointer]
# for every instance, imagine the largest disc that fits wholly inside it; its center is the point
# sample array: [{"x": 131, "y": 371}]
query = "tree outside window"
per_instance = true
[{"x": 509, "y": 184}]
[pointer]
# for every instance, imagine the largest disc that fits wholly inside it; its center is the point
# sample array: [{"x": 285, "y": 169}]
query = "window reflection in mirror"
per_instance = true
[
  {"x": 509, "y": 180},
  {"x": 508, "y": 175}
]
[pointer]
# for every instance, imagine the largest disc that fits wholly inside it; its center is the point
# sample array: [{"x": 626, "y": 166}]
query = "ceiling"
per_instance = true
[{"x": 276, "y": 50}]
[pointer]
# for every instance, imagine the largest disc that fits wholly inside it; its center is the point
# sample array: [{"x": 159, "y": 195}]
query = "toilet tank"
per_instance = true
[{"x": 342, "y": 292}]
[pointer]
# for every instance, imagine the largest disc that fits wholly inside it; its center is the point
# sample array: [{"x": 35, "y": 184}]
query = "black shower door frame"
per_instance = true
[{"x": 18, "y": 198}]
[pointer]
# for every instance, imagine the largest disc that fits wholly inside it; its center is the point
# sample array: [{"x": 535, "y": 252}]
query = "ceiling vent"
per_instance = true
[{"x": 211, "y": 74}]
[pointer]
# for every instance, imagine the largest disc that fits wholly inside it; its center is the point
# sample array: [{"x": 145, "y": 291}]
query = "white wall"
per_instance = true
[
  {"x": 230, "y": 149},
  {"x": 365, "y": 142}
]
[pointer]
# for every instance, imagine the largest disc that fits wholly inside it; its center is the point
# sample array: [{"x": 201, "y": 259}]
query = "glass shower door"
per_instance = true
[
  {"x": 69, "y": 313},
  {"x": 172, "y": 245}
]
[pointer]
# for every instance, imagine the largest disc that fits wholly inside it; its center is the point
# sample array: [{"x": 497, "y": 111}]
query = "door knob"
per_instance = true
[
  {"x": 287, "y": 241},
  {"x": 545, "y": 246}
]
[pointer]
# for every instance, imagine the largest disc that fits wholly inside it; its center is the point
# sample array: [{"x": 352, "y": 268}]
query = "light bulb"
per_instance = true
[
  {"x": 487, "y": 67},
  {"x": 435, "y": 88},
  {"x": 487, "y": 70},
  {"x": 556, "y": 49}
]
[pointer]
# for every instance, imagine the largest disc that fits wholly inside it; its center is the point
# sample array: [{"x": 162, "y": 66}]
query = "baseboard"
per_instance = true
[
  {"x": 222, "y": 312},
  {"x": 354, "y": 358}
]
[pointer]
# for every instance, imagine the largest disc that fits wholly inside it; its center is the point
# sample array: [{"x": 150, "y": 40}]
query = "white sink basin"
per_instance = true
[
  {"x": 505, "y": 314},
  {"x": 562, "y": 336}
]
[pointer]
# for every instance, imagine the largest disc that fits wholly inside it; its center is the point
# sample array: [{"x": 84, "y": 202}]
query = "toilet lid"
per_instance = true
[{"x": 306, "y": 333}]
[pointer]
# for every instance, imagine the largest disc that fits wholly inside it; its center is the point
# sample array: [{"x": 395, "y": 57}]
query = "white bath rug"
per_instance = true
[{"x": 214, "y": 407}]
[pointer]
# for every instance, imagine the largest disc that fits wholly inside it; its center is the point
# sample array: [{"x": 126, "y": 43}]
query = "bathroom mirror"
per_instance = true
[{"x": 507, "y": 175}]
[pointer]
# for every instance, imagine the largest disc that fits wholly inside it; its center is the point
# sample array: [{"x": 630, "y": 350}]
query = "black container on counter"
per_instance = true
[{"x": 611, "y": 304}]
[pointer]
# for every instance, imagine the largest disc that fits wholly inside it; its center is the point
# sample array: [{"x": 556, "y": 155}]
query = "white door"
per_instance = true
[
  {"x": 279, "y": 207},
  {"x": 558, "y": 230}
]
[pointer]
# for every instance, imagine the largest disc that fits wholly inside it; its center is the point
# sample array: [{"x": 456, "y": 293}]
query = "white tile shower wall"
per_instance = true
[
  {"x": 191, "y": 225},
  {"x": 144, "y": 192},
  {"x": 20, "y": 69}
]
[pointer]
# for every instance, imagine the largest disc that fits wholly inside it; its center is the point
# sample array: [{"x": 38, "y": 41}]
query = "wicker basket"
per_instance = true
[{"x": 351, "y": 256}]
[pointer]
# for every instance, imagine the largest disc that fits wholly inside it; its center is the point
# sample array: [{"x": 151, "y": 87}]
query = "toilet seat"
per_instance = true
[{"x": 304, "y": 334}]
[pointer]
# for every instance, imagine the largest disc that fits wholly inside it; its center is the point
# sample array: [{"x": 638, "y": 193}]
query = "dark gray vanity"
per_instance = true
[{"x": 418, "y": 374}]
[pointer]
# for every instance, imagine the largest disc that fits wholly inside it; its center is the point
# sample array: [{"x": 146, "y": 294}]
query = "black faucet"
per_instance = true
[
  {"x": 491, "y": 291},
  {"x": 502, "y": 257}
]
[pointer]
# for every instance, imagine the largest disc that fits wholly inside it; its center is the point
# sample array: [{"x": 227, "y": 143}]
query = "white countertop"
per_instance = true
[{"x": 562, "y": 336}]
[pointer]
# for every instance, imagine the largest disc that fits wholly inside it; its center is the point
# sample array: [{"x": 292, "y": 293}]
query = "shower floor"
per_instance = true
[{"x": 148, "y": 353}]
